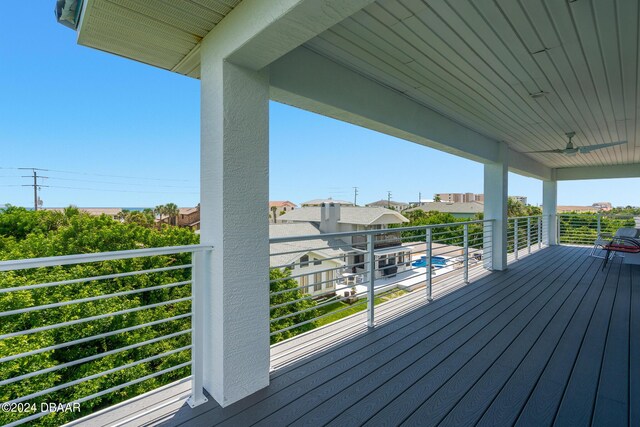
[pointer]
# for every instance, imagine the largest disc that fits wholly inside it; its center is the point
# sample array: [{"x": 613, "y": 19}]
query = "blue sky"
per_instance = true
[{"x": 113, "y": 132}]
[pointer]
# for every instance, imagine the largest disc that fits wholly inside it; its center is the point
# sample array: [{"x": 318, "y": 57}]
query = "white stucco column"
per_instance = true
[
  {"x": 495, "y": 208},
  {"x": 234, "y": 179},
  {"x": 549, "y": 209}
]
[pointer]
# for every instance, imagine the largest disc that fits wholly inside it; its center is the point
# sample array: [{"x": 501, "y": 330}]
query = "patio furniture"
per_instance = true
[
  {"x": 622, "y": 244},
  {"x": 601, "y": 241}
]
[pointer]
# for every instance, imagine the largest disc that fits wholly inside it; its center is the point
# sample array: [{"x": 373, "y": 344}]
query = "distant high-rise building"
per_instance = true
[
  {"x": 470, "y": 197},
  {"x": 460, "y": 197}
]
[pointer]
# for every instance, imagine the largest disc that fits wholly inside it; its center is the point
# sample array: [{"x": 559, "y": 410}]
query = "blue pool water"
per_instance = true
[{"x": 436, "y": 261}]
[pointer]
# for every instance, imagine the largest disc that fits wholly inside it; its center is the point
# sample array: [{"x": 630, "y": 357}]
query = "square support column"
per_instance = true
[
  {"x": 549, "y": 212},
  {"x": 495, "y": 208},
  {"x": 234, "y": 180}
]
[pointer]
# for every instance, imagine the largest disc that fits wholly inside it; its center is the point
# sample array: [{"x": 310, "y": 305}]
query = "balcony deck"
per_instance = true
[{"x": 552, "y": 339}]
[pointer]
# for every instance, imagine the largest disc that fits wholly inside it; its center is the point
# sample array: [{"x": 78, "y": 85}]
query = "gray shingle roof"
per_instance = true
[
  {"x": 325, "y": 247},
  {"x": 465, "y": 207},
  {"x": 349, "y": 215}
]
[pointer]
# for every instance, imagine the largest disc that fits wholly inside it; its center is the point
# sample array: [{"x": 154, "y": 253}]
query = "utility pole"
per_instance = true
[
  {"x": 35, "y": 185},
  {"x": 355, "y": 196},
  {"x": 419, "y": 198},
  {"x": 389, "y": 199}
]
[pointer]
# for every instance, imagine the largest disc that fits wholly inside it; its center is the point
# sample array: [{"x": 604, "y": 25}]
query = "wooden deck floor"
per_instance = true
[{"x": 551, "y": 340}]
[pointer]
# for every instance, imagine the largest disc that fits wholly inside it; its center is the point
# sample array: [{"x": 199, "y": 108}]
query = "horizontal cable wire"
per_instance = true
[
  {"x": 94, "y": 357},
  {"x": 92, "y": 337},
  {"x": 90, "y": 299},
  {"x": 89, "y": 319},
  {"x": 98, "y": 375},
  {"x": 94, "y": 278}
]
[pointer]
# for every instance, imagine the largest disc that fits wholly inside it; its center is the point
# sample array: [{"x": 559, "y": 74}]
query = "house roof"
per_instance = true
[
  {"x": 281, "y": 203},
  {"x": 187, "y": 211},
  {"x": 91, "y": 211},
  {"x": 322, "y": 246},
  {"x": 318, "y": 202},
  {"x": 569, "y": 208},
  {"x": 385, "y": 203},
  {"x": 463, "y": 207},
  {"x": 348, "y": 215}
]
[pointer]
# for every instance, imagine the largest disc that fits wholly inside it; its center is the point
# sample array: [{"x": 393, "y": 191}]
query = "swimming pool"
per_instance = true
[{"x": 436, "y": 261}]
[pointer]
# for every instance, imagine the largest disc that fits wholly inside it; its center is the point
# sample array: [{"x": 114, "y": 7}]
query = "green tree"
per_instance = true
[
  {"x": 171, "y": 209},
  {"x": 298, "y": 310}
]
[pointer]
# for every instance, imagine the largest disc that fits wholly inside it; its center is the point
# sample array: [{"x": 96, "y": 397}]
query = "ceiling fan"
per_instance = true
[{"x": 572, "y": 150}]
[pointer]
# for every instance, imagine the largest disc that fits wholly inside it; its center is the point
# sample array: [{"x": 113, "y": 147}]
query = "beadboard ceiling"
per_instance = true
[
  {"x": 479, "y": 62},
  {"x": 476, "y": 61}
]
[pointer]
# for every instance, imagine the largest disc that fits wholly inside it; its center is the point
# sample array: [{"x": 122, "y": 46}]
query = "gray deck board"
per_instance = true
[
  {"x": 612, "y": 398},
  {"x": 349, "y": 357},
  {"x": 505, "y": 406},
  {"x": 551, "y": 340}
]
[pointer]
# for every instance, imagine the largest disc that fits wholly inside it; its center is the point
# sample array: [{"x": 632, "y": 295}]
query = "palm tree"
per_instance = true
[
  {"x": 273, "y": 210},
  {"x": 172, "y": 211}
]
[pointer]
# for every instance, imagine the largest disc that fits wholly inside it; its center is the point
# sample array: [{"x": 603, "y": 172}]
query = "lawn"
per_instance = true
[{"x": 348, "y": 310}]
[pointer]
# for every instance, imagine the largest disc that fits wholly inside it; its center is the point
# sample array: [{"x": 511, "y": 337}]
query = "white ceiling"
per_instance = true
[
  {"x": 162, "y": 33},
  {"x": 478, "y": 61}
]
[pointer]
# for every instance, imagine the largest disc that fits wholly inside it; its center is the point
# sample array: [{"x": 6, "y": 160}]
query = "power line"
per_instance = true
[
  {"x": 115, "y": 183},
  {"x": 117, "y": 176},
  {"x": 122, "y": 191}
]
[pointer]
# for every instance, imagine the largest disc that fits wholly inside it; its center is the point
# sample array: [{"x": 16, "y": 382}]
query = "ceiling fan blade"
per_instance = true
[
  {"x": 590, "y": 148},
  {"x": 557, "y": 151}
]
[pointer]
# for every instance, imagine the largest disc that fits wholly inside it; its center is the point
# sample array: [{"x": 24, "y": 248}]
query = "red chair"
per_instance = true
[{"x": 622, "y": 244}]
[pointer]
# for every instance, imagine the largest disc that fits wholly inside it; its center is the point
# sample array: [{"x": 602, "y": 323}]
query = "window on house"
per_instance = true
[
  {"x": 304, "y": 261},
  {"x": 304, "y": 282},
  {"x": 317, "y": 262},
  {"x": 330, "y": 277},
  {"x": 317, "y": 282}
]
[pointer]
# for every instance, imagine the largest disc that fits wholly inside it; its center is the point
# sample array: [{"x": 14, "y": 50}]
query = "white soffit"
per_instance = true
[
  {"x": 161, "y": 33},
  {"x": 478, "y": 62}
]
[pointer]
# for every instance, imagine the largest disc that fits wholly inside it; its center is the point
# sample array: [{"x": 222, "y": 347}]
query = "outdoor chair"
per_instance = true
[
  {"x": 621, "y": 244},
  {"x": 604, "y": 239}
]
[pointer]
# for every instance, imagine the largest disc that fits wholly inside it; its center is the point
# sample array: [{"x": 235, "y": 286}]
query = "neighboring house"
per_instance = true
[
  {"x": 458, "y": 210},
  {"x": 187, "y": 217},
  {"x": 398, "y": 206},
  {"x": 282, "y": 206},
  {"x": 521, "y": 199},
  {"x": 110, "y": 212},
  {"x": 582, "y": 209},
  {"x": 333, "y": 218},
  {"x": 603, "y": 206},
  {"x": 320, "y": 202},
  {"x": 316, "y": 264}
]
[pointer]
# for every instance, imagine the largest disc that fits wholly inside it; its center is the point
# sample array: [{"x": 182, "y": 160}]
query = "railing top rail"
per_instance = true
[
  {"x": 23, "y": 264},
  {"x": 370, "y": 232}
]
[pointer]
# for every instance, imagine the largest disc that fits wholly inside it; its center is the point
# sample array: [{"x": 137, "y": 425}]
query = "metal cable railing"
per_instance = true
[
  {"x": 322, "y": 278},
  {"x": 115, "y": 323},
  {"x": 585, "y": 229},
  {"x": 523, "y": 234}
]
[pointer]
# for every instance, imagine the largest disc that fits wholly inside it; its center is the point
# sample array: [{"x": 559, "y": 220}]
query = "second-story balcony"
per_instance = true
[{"x": 552, "y": 339}]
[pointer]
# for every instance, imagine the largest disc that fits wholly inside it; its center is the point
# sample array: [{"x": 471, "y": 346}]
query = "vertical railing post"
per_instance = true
[
  {"x": 466, "y": 253},
  {"x": 539, "y": 232},
  {"x": 515, "y": 237},
  {"x": 372, "y": 277},
  {"x": 528, "y": 234},
  {"x": 599, "y": 224},
  {"x": 428, "y": 253},
  {"x": 558, "y": 233},
  {"x": 200, "y": 275}
]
